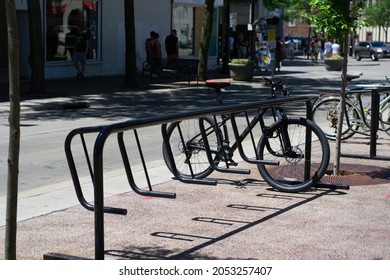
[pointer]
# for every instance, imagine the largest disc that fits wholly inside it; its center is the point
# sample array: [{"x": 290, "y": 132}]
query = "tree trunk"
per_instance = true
[
  {"x": 36, "y": 58},
  {"x": 131, "y": 79},
  {"x": 205, "y": 41},
  {"x": 336, "y": 164},
  {"x": 14, "y": 131},
  {"x": 225, "y": 37}
]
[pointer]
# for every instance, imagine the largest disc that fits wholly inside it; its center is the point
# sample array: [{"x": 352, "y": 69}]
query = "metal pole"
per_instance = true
[
  {"x": 374, "y": 121},
  {"x": 98, "y": 196}
]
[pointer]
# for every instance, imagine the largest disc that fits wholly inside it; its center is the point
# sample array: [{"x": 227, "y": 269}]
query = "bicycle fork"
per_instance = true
[{"x": 287, "y": 150}]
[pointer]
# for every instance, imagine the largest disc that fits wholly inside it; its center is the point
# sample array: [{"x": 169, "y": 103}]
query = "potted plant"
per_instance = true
[
  {"x": 334, "y": 63},
  {"x": 241, "y": 69}
]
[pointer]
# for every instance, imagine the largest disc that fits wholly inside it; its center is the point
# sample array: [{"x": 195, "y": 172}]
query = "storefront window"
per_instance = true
[
  {"x": 183, "y": 22},
  {"x": 188, "y": 20},
  {"x": 64, "y": 19}
]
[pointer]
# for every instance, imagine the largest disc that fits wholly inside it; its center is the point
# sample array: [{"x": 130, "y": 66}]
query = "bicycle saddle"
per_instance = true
[
  {"x": 352, "y": 77},
  {"x": 217, "y": 84}
]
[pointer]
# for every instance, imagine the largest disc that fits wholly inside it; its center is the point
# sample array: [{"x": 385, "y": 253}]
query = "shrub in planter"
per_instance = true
[
  {"x": 334, "y": 63},
  {"x": 241, "y": 69}
]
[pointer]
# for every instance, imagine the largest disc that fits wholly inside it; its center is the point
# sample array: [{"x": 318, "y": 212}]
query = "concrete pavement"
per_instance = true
[{"x": 210, "y": 222}]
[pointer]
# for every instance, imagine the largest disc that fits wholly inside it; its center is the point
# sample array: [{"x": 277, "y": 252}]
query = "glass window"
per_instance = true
[
  {"x": 64, "y": 20},
  {"x": 188, "y": 20},
  {"x": 183, "y": 22}
]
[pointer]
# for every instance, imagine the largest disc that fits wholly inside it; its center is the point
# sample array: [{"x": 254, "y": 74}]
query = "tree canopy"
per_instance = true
[
  {"x": 378, "y": 14},
  {"x": 336, "y": 17}
]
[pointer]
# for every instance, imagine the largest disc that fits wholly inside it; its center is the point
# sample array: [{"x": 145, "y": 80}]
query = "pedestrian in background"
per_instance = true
[
  {"x": 328, "y": 49},
  {"x": 311, "y": 49},
  {"x": 172, "y": 49},
  {"x": 231, "y": 43},
  {"x": 316, "y": 49},
  {"x": 291, "y": 50},
  {"x": 279, "y": 53},
  {"x": 335, "y": 49},
  {"x": 242, "y": 46},
  {"x": 80, "y": 51},
  {"x": 154, "y": 53}
]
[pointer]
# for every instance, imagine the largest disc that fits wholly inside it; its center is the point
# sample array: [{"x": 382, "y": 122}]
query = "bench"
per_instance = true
[{"x": 173, "y": 68}]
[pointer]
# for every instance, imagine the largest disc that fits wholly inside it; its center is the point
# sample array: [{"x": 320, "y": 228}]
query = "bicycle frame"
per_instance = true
[
  {"x": 195, "y": 148},
  {"x": 357, "y": 103},
  {"x": 225, "y": 151}
]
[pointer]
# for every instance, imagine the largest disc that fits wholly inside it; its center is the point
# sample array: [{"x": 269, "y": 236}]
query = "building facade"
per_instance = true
[{"x": 103, "y": 21}]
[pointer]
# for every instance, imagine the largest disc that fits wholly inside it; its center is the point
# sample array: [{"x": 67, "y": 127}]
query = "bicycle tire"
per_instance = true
[
  {"x": 326, "y": 116},
  {"x": 384, "y": 117},
  {"x": 289, "y": 175},
  {"x": 196, "y": 152}
]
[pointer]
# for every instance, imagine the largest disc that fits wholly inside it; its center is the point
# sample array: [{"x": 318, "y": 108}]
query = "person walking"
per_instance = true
[
  {"x": 317, "y": 50},
  {"x": 328, "y": 49},
  {"x": 335, "y": 49},
  {"x": 311, "y": 49},
  {"x": 80, "y": 52},
  {"x": 291, "y": 50},
  {"x": 147, "y": 47},
  {"x": 172, "y": 49},
  {"x": 242, "y": 46},
  {"x": 231, "y": 44},
  {"x": 279, "y": 49},
  {"x": 154, "y": 53}
]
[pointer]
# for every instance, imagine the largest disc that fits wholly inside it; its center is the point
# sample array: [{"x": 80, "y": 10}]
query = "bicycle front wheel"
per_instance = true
[
  {"x": 326, "y": 116},
  {"x": 299, "y": 167},
  {"x": 188, "y": 148}
]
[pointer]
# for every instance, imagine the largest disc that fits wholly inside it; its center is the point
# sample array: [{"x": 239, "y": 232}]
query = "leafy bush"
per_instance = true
[{"x": 242, "y": 61}]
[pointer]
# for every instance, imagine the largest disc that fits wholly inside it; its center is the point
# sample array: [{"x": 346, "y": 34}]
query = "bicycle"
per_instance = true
[
  {"x": 357, "y": 115},
  {"x": 281, "y": 152}
]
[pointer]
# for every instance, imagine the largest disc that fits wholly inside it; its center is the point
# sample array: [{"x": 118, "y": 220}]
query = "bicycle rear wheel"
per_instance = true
[
  {"x": 289, "y": 175},
  {"x": 384, "y": 117},
  {"x": 326, "y": 116},
  {"x": 189, "y": 151}
]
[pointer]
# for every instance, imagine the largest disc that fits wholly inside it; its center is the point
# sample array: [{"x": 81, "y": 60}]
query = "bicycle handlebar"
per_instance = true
[{"x": 276, "y": 86}]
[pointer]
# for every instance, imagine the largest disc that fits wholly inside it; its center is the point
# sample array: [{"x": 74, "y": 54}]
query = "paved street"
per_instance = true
[
  {"x": 45, "y": 185},
  {"x": 45, "y": 123}
]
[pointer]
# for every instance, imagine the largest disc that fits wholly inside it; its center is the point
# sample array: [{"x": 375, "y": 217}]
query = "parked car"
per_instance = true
[{"x": 371, "y": 49}]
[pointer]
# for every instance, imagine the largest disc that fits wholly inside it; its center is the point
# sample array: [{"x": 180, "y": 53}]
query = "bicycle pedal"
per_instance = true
[{"x": 232, "y": 163}]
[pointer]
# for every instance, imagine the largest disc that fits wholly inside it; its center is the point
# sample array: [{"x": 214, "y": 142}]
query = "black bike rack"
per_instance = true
[
  {"x": 374, "y": 127},
  {"x": 103, "y": 132}
]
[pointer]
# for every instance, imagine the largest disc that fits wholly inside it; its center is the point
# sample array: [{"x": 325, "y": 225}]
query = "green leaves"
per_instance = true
[
  {"x": 335, "y": 18},
  {"x": 378, "y": 14},
  {"x": 241, "y": 61}
]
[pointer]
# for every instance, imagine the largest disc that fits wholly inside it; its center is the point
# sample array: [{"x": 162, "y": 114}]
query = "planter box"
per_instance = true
[
  {"x": 241, "y": 72},
  {"x": 333, "y": 64}
]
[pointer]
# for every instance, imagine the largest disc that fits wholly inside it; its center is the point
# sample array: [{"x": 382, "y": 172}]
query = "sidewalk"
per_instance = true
[{"x": 240, "y": 218}]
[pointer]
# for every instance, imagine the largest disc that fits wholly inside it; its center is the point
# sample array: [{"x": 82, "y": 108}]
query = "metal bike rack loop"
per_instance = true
[
  {"x": 374, "y": 127},
  {"x": 103, "y": 132}
]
